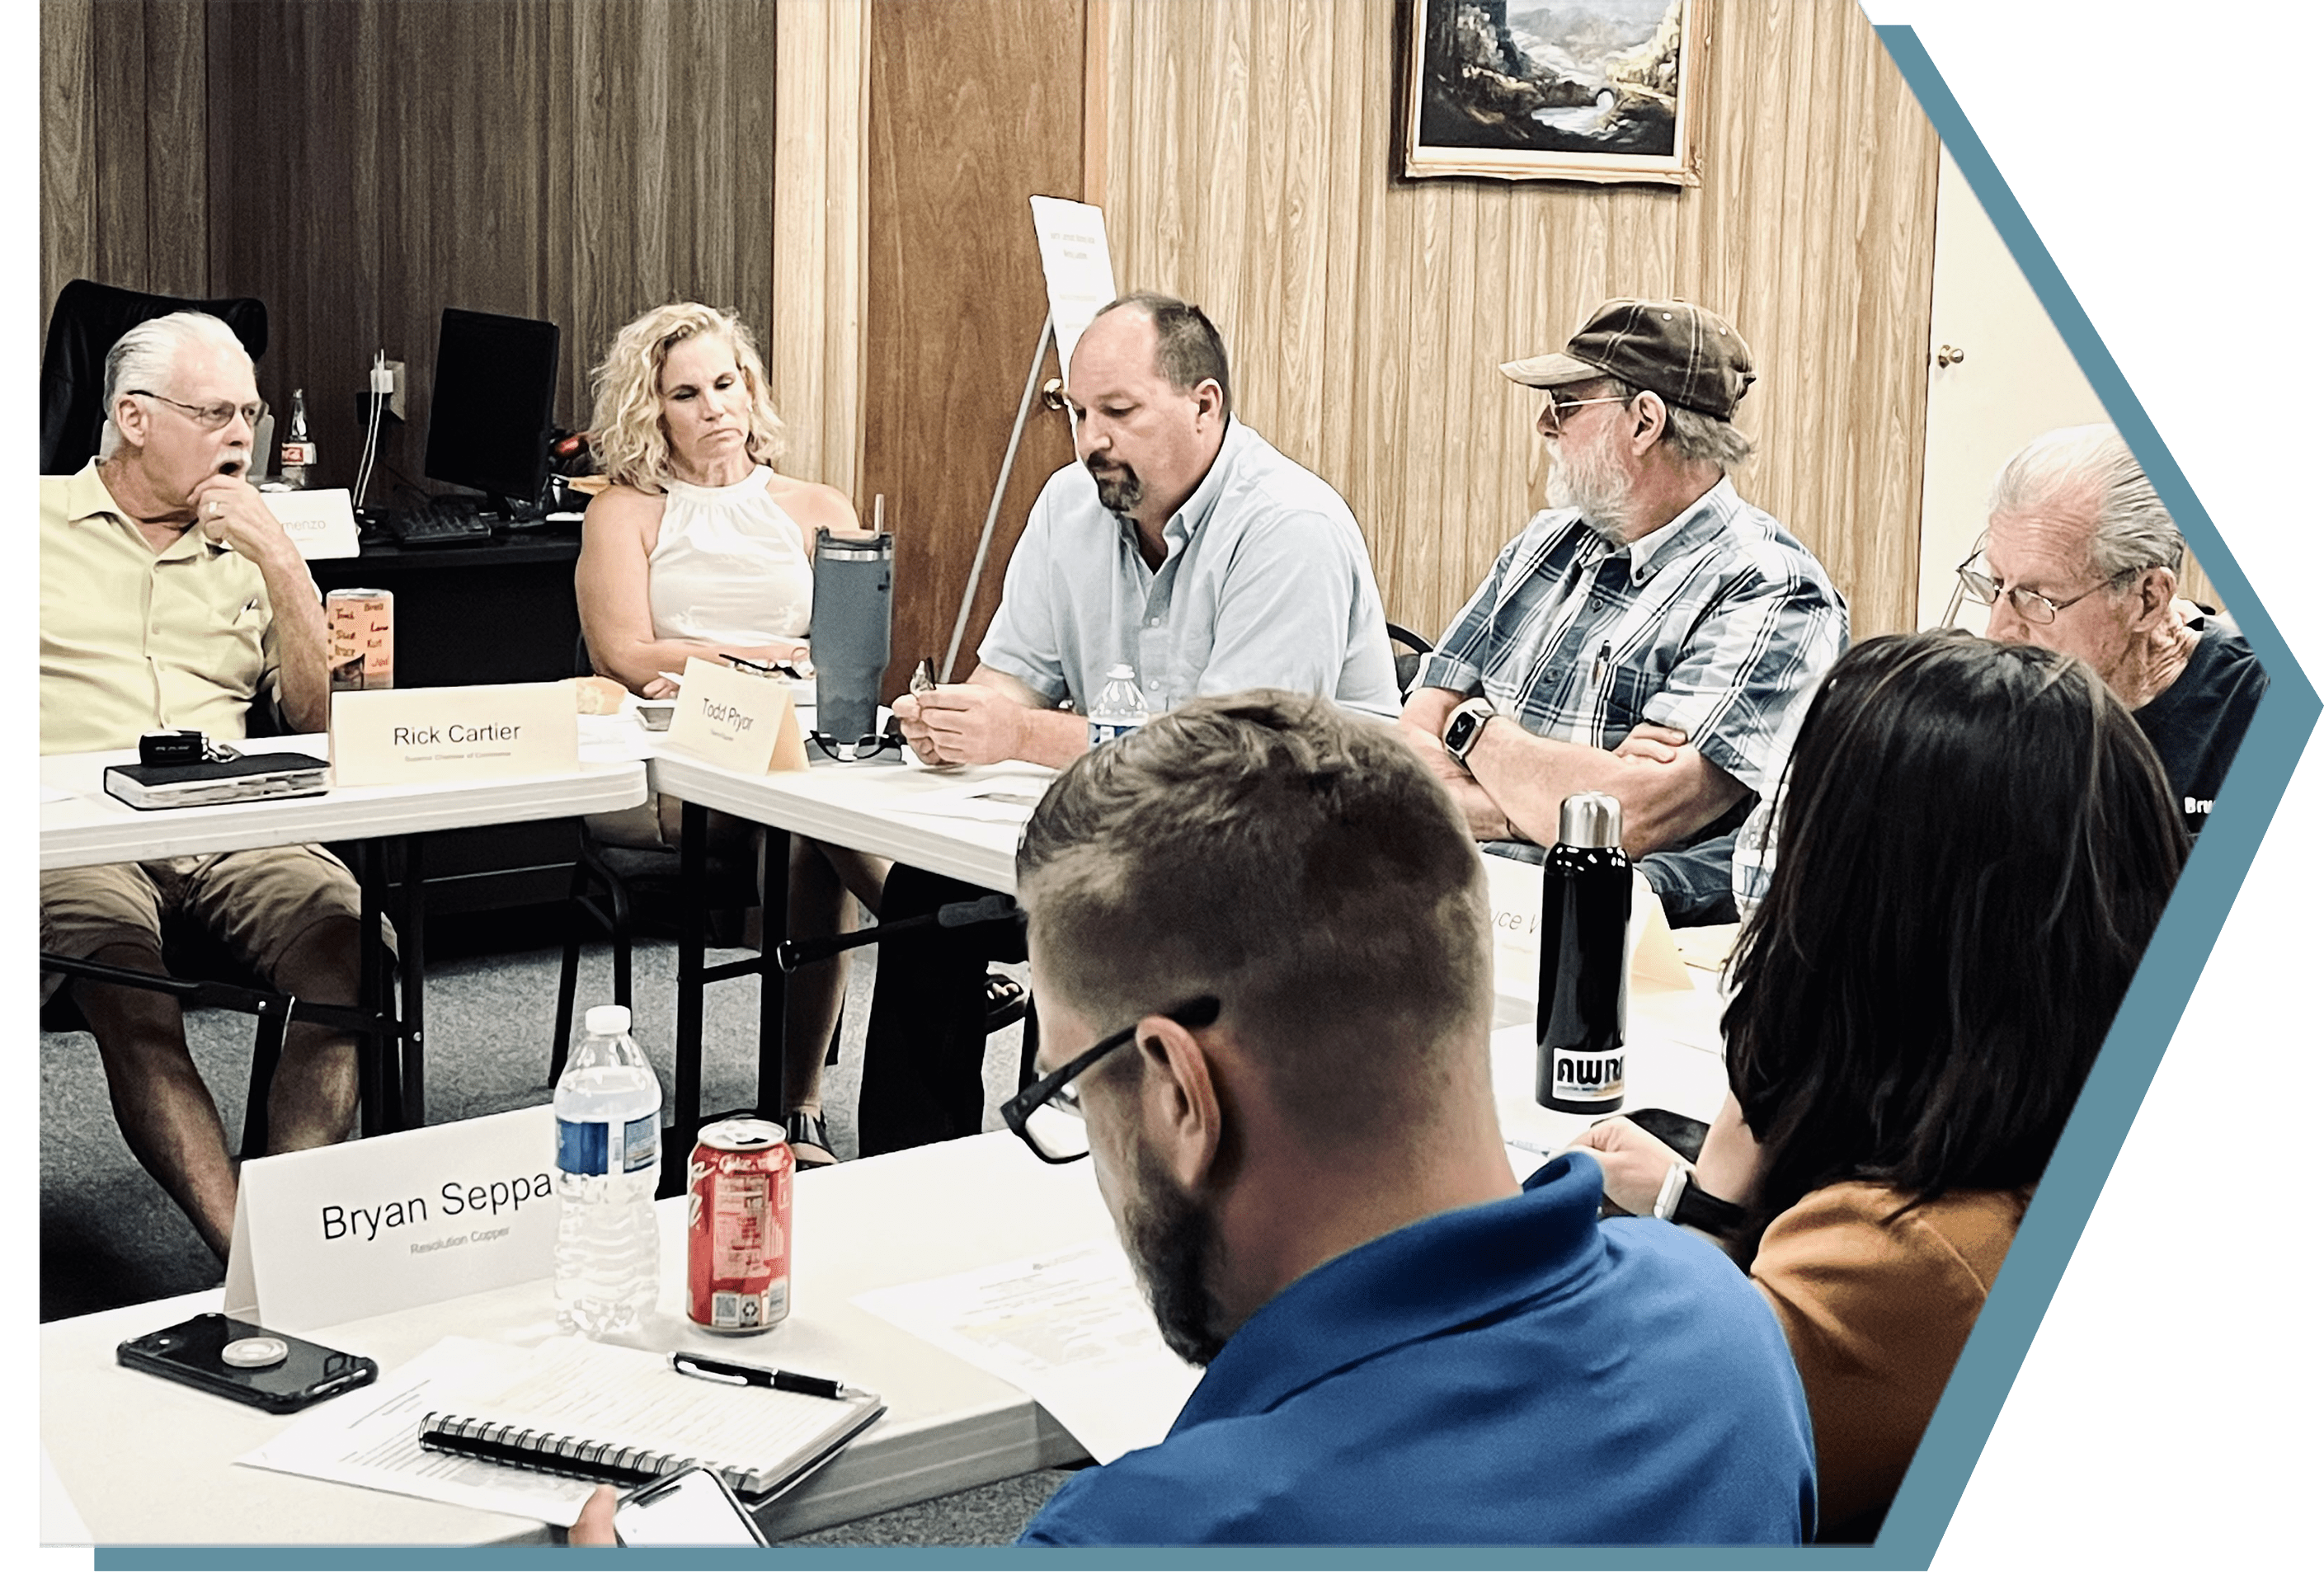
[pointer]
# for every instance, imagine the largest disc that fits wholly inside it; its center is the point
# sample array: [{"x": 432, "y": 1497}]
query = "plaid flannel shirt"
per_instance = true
[{"x": 1712, "y": 625}]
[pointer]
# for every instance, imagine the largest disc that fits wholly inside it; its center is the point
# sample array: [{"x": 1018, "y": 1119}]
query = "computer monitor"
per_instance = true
[{"x": 495, "y": 403}]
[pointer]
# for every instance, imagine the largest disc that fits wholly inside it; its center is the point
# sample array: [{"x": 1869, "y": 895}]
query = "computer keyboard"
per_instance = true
[{"x": 439, "y": 522}]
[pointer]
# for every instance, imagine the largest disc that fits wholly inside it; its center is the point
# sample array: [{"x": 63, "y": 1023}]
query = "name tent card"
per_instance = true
[
  {"x": 327, "y": 1235},
  {"x": 320, "y": 522},
  {"x": 741, "y": 721},
  {"x": 1514, "y": 886},
  {"x": 458, "y": 734}
]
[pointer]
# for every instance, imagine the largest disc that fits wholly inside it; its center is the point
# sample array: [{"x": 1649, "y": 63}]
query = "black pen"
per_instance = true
[{"x": 719, "y": 1371}]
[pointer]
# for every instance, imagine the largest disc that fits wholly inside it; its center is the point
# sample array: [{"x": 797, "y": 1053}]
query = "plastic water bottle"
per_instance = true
[
  {"x": 608, "y": 1162},
  {"x": 1121, "y": 707},
  {"x": 297, "y": 448}
]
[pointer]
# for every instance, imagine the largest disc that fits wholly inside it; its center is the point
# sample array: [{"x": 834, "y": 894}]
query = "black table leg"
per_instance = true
[
  {"x": 774, "y": 926},
  {"x": 410, "y": 934},
  {"x": 694, "y": 834},
  {"x": 372, "y": 1049}
]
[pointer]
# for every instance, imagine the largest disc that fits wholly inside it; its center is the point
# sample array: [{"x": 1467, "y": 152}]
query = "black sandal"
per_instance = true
[
  {"x": 804, "y": 1129},
  {"x": 1004, "y": 1001}
]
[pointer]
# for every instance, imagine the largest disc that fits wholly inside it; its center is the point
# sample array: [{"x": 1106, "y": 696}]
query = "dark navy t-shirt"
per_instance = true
[
  {"x": 1516, "y": 1373},
  {"x": 2197, "y": 724}
]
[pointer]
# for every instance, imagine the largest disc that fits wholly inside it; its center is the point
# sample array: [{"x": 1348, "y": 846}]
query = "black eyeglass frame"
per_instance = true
[{"x": 1017, "y": 1109}]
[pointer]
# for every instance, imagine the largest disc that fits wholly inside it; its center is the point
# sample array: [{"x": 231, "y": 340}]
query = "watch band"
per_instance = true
[
  {"x": 1713, "y": 1216},
  {"x": 1675, "y": 1186},
  {"x": 1459, "y": 739}
]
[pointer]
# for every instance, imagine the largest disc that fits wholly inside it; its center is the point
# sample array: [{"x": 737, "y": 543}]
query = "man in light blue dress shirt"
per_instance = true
[{"x": 1183, "y": 545}]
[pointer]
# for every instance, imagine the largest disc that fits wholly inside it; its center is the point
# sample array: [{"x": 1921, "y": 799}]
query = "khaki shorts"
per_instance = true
[{"x": 259, "y": 903}]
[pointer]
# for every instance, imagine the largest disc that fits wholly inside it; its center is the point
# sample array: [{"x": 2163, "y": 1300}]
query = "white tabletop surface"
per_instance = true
[
  {"x": 901, "y": 1218},
  {"x": 90, "y": 827},
  {"x": 169, "y": 1478},
  {"x": 868, "y": 807}
]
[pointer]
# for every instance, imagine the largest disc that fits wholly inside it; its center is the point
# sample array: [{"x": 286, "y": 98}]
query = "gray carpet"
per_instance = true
[{"x": 109, "y": 1236}]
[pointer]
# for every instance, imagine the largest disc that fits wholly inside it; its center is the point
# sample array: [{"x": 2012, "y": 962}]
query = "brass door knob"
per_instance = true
[
  {"x": 1053, "y": 394},
  {"x": 1947, "y": 355}
]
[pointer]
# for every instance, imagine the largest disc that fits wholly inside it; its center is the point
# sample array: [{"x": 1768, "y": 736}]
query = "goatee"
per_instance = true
[{"x": 1118, "y": 489}]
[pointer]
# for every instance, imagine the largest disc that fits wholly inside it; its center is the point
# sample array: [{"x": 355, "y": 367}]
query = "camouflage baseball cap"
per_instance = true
[{"x": 1692, "y": 358}]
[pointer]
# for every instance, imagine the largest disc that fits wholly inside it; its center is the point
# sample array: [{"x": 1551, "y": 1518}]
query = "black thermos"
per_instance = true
[{"x": 1585, "y": 978}]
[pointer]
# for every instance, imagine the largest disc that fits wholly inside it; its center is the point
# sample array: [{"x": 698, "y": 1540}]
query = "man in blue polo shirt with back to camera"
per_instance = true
[{"x": 1259, "y": 930}]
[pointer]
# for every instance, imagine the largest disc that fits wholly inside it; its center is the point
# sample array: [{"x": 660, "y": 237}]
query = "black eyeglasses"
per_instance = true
[
  {"x": 210, "y": 418},
  {"x": 1048, "y": 1113},
  {"x": 870, "y": 746}
]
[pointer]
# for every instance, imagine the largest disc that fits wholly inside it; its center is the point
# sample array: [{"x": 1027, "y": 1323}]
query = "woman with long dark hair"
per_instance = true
[{"x": 1978, "y": 843}]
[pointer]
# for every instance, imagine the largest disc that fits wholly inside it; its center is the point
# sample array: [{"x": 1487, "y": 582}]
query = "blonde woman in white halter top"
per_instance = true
[{"x": 701, "y": 548}]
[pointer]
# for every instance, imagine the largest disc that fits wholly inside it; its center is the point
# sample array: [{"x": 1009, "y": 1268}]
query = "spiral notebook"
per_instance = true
[{"x": 616, "y": 1415}]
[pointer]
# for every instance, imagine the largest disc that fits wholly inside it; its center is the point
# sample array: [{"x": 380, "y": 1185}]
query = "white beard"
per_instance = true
[{"x": 1590, "y": 481}]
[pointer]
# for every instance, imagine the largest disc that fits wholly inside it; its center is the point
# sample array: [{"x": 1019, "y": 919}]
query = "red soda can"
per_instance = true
[{"x": 738, "y": 1228}]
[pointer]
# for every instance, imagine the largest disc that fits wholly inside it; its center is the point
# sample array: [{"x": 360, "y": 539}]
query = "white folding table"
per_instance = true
[{"x": 82, "y": 825}]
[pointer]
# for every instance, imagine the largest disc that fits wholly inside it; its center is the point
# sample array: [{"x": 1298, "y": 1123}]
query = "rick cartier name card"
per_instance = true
[{"x": 380, "y": 736}]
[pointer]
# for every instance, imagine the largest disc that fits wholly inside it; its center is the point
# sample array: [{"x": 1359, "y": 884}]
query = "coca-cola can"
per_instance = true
[{"x": 738, "y": 1228}]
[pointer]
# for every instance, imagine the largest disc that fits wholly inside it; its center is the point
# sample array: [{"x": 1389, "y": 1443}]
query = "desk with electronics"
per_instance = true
[{"x": 976, "y": 1291}]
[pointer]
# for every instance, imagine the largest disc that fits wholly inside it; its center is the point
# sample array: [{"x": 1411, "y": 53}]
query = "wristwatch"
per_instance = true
[
  {"x": 1464, "y": 726},
  {"x": 1682, "y": 1202}
]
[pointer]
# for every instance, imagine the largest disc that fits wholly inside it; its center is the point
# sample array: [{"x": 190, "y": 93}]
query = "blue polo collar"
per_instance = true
[{"x": 1395, "y": 1290}]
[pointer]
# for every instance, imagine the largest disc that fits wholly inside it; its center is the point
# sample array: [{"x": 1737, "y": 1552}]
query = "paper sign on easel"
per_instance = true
[
  {"x": 1514, "y": 887},
  {"x": 327, "y": 1235},
  {"x": 738, "y": 720},
  {"x": 1077, "y": 265},
  {"x": 458, "y": 733}
]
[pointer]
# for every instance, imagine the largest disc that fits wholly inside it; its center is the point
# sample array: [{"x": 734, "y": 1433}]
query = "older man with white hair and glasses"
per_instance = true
[
  {"x": 171, "y": 598},
  {"x": 2081, "y": 556},
  {"x": 1648, "y": 632}
]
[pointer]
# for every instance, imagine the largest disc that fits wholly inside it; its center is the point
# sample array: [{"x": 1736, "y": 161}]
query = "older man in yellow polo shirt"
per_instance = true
[{"x": 171, "y": 597}]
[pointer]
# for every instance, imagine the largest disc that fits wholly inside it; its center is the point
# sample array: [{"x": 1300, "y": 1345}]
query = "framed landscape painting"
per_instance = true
[{"x": 1555, "y": 89}]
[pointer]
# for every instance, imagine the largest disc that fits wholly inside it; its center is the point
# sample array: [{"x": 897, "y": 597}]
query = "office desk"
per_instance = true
[
  {"x": 944, "y": 1209},
  {"x": 91, "y": 828}
]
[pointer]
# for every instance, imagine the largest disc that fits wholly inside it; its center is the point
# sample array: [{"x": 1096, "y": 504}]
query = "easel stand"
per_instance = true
[{"x": 992, "y": 513}]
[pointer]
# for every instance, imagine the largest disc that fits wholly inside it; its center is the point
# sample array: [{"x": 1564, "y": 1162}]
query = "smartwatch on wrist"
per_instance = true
[
  {"x": 1683, "y": 1202},
  {"x": 1461, "y": 729}
]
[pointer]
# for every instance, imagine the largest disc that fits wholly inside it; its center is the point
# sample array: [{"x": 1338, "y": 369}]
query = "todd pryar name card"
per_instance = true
[
  {"x": 738, "y": 720},
  {"x": 462, "y": 733},
  {"x": 326, "y": 1235}
]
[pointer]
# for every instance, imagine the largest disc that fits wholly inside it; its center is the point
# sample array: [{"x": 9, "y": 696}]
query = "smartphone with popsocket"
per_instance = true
[
  {"x": 691, "y": 1508},
  {"x": 241, "y": 1361}
]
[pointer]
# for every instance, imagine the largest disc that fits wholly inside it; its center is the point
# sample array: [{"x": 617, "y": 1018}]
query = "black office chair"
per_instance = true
[
  {"x": 607, "y": 880},
  {"x": 1408, "y": 660},
  {"x": 87, "y": 321}
]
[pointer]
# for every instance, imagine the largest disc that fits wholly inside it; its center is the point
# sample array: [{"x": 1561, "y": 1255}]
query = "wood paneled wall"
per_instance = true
[
  {"x": 1248, "y": 160},
  {"x": 124, "y": 155},
  {"x": 815, "y": 333},
  {"x": 361, "y": 164},
  {"x": 976, "y": 106}
]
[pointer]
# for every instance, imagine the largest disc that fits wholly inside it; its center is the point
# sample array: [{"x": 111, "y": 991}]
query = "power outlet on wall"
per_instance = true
[{"x": 387, "y": 378}]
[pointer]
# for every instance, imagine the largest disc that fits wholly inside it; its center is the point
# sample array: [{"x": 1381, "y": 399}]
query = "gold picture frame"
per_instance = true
[{"x": 1614, "y": 94}]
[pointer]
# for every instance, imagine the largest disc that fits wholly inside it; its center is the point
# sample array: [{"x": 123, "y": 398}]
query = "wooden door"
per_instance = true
[
  {"x": 975, "y": 106},
  {"x": 1999, "y": 376}
]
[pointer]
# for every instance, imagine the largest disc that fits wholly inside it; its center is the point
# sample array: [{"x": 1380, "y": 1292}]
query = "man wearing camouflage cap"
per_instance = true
[{"x": 1648, "y": 632}]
